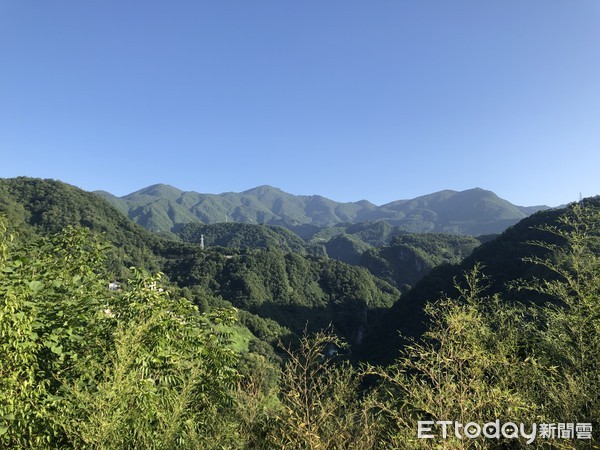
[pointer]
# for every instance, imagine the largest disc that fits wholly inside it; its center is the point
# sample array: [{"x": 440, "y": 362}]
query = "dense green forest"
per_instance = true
[
  {"x": 410, "y": 257},
  {"x": 298, "y": 293},
  {"x": 270, "y": 346},
  {"x": 505, "y": 259},
  {"x": 241, "y": 235}
]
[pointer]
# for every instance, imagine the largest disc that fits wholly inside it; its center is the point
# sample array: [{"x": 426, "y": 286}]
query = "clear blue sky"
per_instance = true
[{"x": 349, "y": 99}]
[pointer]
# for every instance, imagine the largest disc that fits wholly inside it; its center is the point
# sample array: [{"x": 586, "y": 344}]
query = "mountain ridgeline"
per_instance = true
[
  {"x": 475, "y": 211},
  {"x": 40, "y": 207}
]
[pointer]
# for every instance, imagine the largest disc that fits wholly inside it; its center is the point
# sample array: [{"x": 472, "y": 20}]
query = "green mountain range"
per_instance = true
[
  {"x": 512, "y": 328},
  {"x": 163, "y": 208}
]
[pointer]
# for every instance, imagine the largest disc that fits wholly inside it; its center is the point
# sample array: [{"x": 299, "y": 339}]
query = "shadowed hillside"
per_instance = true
[{"x": 504, "y": 260}]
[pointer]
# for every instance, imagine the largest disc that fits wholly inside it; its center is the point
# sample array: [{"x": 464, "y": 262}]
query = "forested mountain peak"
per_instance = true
[
  {"x": 156, "y": 190},
  {"x": 262, "y": 190},
  {"x": 447, "y": 195}
]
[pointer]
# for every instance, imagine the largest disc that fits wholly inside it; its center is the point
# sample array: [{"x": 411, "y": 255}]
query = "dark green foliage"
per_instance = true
[
  {"x": 82, "y": 366},
  {"x": 483, "y": 357},
  {"x": 265, "y": 329},
  {"x": 305, "y": 231},
  {"x": 568, "y": 326},
  {"x": 325, "y": 234},
  {"x": 346, "y": 248},
  {"x": 374, "y": 233},
  {"x": 350, "y": 243}
]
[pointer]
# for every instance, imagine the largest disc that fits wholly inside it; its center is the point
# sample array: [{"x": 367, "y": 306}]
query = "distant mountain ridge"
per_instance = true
[{"x": 164, "y": 208}]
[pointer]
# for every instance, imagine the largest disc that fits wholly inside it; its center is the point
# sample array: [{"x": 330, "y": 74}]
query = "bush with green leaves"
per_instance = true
[
  {"x": 82, "y": 366},
  {"x": 468, "y": 367},
  {"x": 319, "y": 403},
  {"x": 51, "y": 293}
]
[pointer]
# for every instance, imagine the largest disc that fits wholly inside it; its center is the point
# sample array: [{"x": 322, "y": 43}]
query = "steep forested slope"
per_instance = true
[
  {"x": 36, "y": 206},
  {"x": 295, "y": 291},
  {"x": 84, "y": 366},
  {"x": 410, "y": 257},
  {"x": 503, "y": 260}
]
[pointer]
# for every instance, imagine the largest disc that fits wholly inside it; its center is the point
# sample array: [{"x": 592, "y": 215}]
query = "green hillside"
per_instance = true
[
  {"x": 346, "y": 247},
  {"x": 240, "y": 235},
  {"x": 410, "y": 257},
  {"x": 504, "y": 260},
  {"x": 35, "y": 206},
  {"x": 297, "y": 292}
]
